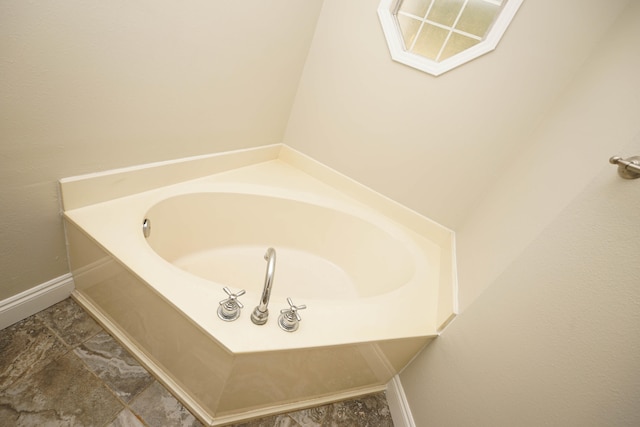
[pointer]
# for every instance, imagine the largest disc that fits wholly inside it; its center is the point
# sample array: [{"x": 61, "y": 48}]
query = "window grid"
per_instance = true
[
  {"x": 450, "y": 29},
  {"x": 486, "y": 20}
]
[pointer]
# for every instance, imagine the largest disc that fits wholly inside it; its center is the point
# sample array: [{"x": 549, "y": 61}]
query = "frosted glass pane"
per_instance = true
[
  {"x": 430, "y": 41},
  {"x": 445, "y": 12},
  {"x": 456, "y": 44},
  {"x": 477, "y": 17},
  {"x": 409, "y": 28},
  {"x": 415, "y": 7}
]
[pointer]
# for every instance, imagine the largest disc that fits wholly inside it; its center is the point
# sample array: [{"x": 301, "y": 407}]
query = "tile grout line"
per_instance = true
[
  {"x": 71, "y": 349},
  {"x": 126, "y": 405}
]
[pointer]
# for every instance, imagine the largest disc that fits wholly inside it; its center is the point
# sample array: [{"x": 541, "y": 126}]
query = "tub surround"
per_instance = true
[
  {"x": 228, "y": 371},
  {"x": 84, "y": 190}
]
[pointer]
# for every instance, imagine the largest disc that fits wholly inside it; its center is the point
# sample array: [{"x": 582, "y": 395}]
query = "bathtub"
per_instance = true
[{"x": 378, "y": 280}]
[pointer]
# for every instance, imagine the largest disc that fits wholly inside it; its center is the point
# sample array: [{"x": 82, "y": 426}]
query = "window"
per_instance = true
[{"x": 437, "y": 35}]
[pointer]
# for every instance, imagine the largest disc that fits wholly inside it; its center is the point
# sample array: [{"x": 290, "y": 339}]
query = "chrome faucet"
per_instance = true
[{"x": 260, "y": 314}]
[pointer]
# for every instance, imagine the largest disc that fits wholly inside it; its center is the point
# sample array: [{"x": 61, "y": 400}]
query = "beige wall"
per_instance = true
[
  {"x": 591, "y": 120},
  {"x": 554, "y": 340},
  {"x": 94, "y": 85},
  {"x": 435, "y": 144},
  {"x": 549, "y": 270},
  {"x": 511, "y": 152}
]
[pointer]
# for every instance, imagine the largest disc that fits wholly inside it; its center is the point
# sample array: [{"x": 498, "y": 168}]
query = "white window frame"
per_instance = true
[{"x": 386, "y": 13}]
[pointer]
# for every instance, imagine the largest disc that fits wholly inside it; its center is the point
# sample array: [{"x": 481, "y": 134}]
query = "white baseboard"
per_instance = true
[
  {"x": 36, "y": 299},
  {"x": 398, "y": 404}
]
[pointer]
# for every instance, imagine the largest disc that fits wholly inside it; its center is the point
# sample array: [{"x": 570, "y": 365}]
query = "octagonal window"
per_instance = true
[{"x": 437, "y": 35}]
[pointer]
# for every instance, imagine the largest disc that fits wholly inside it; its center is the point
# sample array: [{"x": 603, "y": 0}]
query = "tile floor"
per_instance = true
[{"x": 60, "y": 368}]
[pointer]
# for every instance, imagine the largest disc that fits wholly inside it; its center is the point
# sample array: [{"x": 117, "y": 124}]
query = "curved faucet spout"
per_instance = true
[{"x": 260, "y": 314}]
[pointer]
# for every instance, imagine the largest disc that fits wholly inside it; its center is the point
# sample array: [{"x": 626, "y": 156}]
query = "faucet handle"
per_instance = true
[
  {"x": 229, "y": 308},
  {"x": 233, "y": 297},
  {"x": 289, "y": 318},
  {"x": 293, "y": 309}
]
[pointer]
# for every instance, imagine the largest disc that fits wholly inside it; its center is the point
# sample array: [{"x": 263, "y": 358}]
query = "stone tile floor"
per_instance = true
[{"x": 60, "y": 368}]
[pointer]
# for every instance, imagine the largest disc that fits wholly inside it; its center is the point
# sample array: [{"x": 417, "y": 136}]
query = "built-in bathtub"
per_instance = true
[{"x": 378, "y": 280}]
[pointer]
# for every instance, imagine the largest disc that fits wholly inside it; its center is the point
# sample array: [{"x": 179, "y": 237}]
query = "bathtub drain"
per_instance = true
[{"x": 146, "y": 227}]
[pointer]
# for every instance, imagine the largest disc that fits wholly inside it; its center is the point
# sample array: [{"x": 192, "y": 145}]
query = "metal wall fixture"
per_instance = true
[{"x": 627, "y": 168}]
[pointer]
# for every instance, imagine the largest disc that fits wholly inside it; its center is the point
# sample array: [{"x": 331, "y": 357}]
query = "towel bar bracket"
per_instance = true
[{"x": 627, "y": 168}]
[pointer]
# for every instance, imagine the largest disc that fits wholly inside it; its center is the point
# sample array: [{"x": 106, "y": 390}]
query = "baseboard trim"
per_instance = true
[
  {"x": 398, "y": 404},
  {"x": 31, "y": 301}
]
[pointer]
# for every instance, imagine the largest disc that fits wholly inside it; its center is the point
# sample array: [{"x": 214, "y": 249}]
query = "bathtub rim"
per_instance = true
[
  {"x": 129, "y": 248},
  {"x": 115, "y": 181}
]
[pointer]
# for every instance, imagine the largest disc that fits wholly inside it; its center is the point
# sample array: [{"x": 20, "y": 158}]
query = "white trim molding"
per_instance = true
[
  {"x": 387, "y": 10},
  {"x": 31, "y": 301},
  {"x": 398, "y": 404}
]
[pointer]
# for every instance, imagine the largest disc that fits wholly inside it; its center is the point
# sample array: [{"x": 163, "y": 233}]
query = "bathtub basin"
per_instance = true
[
  {"x": 372, "y": 274},
  {"x": 323, "y": 253}
]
